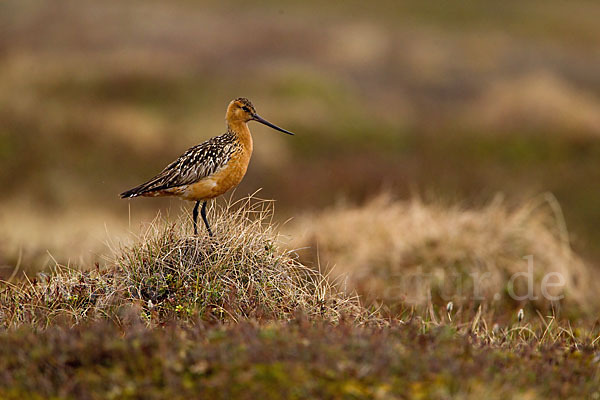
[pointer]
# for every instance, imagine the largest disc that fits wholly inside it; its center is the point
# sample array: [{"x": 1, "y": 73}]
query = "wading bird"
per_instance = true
[{"x": 211, "y": 168}]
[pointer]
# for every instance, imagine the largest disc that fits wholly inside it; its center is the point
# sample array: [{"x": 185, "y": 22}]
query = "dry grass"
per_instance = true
[
  {"x": 168, "y": 274},
  {"x": 536, "y": 102},
  {"x": 408, "y": 252},
  {"x": 236, "y": 316}
]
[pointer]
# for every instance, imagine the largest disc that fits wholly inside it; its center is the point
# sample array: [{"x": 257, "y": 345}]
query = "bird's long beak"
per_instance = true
[{"x": 260, "y": 119}]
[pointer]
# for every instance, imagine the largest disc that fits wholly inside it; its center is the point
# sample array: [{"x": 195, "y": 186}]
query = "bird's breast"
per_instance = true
[{"x": 225, "y": 178}]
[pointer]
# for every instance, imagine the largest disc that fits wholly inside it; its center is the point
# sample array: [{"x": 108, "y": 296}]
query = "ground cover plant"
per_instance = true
[
  {"x": 300, "y": 359},
  {"x": 241, "y": 317}
]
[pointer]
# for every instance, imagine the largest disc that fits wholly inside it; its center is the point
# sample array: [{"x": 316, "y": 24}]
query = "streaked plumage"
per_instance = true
[
  {"x": 211, "y": 168},
  {"x": 196, "y": 163}
]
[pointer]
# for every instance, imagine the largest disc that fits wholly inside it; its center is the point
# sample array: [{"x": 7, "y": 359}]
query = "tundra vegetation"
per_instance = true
[
  {"x": 436, "y": 226},
  {"x": 241, "y": 315}
]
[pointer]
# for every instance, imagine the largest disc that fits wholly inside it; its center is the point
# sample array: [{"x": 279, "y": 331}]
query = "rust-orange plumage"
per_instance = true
[{"x": 209, "y": 169}]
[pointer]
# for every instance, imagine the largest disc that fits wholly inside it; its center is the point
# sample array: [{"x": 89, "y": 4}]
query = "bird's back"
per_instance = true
[{"x": 196, "y": 164}]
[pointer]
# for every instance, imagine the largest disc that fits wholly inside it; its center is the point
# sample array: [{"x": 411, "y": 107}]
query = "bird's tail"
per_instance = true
[
  {"x": 151, "y": 185},
  {"x": 136, "y": 191}
]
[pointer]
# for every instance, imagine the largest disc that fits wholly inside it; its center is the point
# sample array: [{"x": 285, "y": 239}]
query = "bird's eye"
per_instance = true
[{"x": 246, "y": 109}]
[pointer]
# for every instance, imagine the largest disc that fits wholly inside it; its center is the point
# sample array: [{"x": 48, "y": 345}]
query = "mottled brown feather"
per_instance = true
[{"x": 195, "y": 164}]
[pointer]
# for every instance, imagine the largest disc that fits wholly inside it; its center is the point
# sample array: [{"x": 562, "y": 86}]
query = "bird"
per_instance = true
[{"x": 211, "y": 168}]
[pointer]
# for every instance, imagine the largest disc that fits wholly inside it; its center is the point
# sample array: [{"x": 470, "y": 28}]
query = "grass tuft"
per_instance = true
[
  {"x": 169, "y": 274},
  {"x": 400, "y": 253}
]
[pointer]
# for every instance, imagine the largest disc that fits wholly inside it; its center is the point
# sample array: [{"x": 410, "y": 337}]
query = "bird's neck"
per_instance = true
[{"x": 240, "y": 129}]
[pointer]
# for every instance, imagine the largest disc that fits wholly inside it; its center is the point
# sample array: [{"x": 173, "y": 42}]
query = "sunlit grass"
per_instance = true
[
  {"x": 170, "y": 274},
  {"x": 413, "y": 252}
]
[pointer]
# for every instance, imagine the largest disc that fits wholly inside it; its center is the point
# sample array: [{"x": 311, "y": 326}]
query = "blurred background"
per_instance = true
[{"x": 447, "y": 100}]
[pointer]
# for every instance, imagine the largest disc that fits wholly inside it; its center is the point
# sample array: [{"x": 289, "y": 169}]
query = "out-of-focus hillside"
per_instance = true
[{"x": 444, "y": 100}]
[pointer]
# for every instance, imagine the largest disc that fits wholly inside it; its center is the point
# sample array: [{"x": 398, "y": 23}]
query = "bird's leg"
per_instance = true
[
  {"x": 195, "y": 217},
  {"x": 203, "y": 212}
]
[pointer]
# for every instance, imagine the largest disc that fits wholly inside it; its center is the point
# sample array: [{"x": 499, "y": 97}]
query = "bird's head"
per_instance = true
[{"x": 242, "y": 110}]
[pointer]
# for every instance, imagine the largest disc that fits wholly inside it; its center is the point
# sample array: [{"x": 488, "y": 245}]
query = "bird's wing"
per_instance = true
[{"x": 195, "y": 164}]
